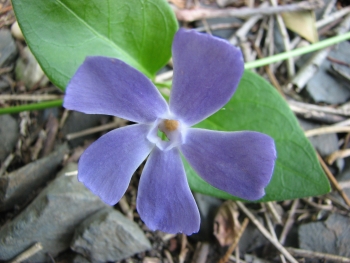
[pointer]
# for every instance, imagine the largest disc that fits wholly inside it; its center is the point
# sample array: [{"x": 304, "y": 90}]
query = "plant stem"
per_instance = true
[
  {"x": 32, "y": 106},
  {"x": 297, "y": 52}
]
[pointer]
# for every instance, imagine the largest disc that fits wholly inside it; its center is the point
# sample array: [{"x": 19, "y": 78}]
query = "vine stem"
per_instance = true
[
  {"x": 297, "y": 52},
  {"x": 249, "y": 65},
  {"x": 32, "y": 106}
]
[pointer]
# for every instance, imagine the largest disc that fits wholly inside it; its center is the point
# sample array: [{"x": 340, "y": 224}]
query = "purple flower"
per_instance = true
[{"x": 207, "y": 71}]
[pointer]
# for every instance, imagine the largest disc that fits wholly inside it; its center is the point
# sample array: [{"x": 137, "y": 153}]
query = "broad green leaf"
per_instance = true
[
  {"x": 61, "y": 33},
  {"x": 257, "y": 106}
]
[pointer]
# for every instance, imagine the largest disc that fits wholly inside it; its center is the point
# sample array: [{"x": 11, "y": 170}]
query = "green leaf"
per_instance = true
[
  {"x": 61, "y": 33},
  {"x": 257, "y": 106}
]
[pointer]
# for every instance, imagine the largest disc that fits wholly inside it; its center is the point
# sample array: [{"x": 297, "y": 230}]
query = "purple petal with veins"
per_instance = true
[
  {"x": 107, "y": 165},
  {"x": 207, "y": 71},
  {"x": 239, "y": 163},
  {"x": 164, "y": 199},
  {"x": 109, "y": 86}
]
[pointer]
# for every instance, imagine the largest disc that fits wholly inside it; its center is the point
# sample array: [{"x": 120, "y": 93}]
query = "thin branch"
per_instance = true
[
  {"x": 289, "y": 223},
  {"x": 28, "y": 253},
  {"x": 286, "y": 41},
  {"x": 326, "y": 130},
  {"x": 6, "y": 163},
  {"x": 333, "y": 180},
  {"x": 232, "y": 247},
  {"x": 93, "y": 130},
  {"x": 266, "y": 233},
  {"x": 271, "y": 228},
  {"x": 220, "y": 26},
  {"x": 321, "y": 256},
  {"x": 309, "y": 69},
  {"x": 270, "y": 73},
  {"x": 27, "y": 97},
  {"x": 295, "y": 105},
  {"x": 337, "y": 155},
  {"x": 187, "y": 15},
  {"x": 332, "y": 17},
  {"x": 270, "y": 206}
]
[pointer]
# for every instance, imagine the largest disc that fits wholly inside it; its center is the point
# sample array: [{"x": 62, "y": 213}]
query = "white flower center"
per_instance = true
[{"x": 172, "y": 130}]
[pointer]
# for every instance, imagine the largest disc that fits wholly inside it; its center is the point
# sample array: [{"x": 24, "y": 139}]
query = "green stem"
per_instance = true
[
  {"x": 33, "y": 106},
  {"x": 297, "y": 52},
  {"x": 249, "y": 65}
]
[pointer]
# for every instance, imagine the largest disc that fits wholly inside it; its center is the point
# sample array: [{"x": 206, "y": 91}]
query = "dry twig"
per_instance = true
[
  {"x": 286, "y": 41},
  {"x": 232, "y": 247},
  {"x": 325, "y": 130},
  {"x": 200, "y": 13},
  {"x": 333, "y": 180},
  {"x": 289, "y": 223},
  {"x": 27, "y": 97},
  {"x": 28, "y": 253},
  {"x": 266, "y": 233},
  {"x": 337, "y": 155},
  {"x": 101, "y": 128},
  {"x": 318, "y": 255},
  {"x": 6, "y": 163}
]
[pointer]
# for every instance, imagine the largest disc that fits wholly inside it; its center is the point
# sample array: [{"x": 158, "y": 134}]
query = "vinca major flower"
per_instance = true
[{"x": 207, "y": 71}]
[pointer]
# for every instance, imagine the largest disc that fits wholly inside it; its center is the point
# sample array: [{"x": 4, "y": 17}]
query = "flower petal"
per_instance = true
[
  {"x": 239, "y": 163},
  {"x": 207, "y": 71},
  {"x": 107, "y": 165},
  {"x": 164, "y": 199},
  {"x": 109, "y": 86}
]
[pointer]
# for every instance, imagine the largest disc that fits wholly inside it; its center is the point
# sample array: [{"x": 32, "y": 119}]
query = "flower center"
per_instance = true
[
  {"x": 166, "y": 134},
  {"x": 171, "y": 125}
]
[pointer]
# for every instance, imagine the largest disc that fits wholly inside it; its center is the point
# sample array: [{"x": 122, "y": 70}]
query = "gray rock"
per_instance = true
[
  {"x": 208, "y": 206},
  {"x": 29, "y": 71},
  {"x": 50, "y": 219},
  {"x": 324, "y": 87},
  {"x": 4, "y": 83},
  {"x": 80, "y": 259},
  {"x": 252, "y": 239},
  {"x": 109, "y": 236},
  {"x": 325, "y": 144},
  {"x": 8, "y": 135},
  {"x": 15, "y": 187},
  {"x": 8, "y": 48},
  {"x": 331, "y": 236}
]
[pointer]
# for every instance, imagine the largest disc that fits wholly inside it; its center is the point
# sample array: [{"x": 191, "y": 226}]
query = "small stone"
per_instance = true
[
  {"x": 331, "y": 236},
  {"x": 4, "y": 84},
  {"x": 252, "y": 239},
  {"x": 50, "y": 219},
  {"x": 16, "y": 31},
  {"x": 16, "y": 186},
  {"x": 80, "y": 259},
  {"x": 208, "y": 206},
  {"x": 9, "y": 133},
  {"x": 325, "y": 144},
  {"x": 29, "y": 71},
  {"x": 109, "y": 236},
  {"x": 324, "y": 87},
  {"x": 8, "y": 48}
]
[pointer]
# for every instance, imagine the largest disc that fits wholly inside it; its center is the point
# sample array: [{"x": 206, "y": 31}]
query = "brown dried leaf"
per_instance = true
[{"x": 226, "y": 224}]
